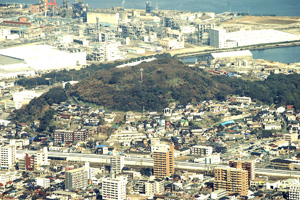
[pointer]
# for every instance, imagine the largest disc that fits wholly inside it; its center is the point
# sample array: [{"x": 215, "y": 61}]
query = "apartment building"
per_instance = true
[
  {"x": 232, "y": 180},
  {"x": 117, "y": 164},
  {"x": 163, "y": 160},
  {"x": 201, "y": 150},
  {"x": 7, "y": 156},
  {"x": 70, "y": 136},
  {"x": 294, "y": 192},
  {"x": 43, "y": 182},
  {"x": 154, "y": 187},
  {"x": 245, "y": 165},
  {"x": 76, "y": 179},
  {"x": 114, "y": 188}
]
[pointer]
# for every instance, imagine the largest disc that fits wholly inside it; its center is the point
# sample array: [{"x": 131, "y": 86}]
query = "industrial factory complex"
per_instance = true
[{"x": 70, "y": 35}]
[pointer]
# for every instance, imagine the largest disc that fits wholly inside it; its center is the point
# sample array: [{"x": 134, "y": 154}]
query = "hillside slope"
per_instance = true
[{"x": 164, "y": 80}]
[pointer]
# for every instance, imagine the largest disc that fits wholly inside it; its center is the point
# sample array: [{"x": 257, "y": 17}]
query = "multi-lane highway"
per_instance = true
[{"x": 148, "y": 162}]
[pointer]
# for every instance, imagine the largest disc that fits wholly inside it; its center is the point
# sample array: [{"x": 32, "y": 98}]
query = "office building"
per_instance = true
[
  {"x": 116, "y": 164},
  {"x": 294, "y": 192},
  {"x": 231, "y": 179},
  {"x": 114, "y": 188},
  {"x": 201, "y": 150},
  {"x": 163, "y": 160},
  {"x": 76, "y": 179},
  {"x": 245, "y": 165},
  {"x": 7, "y": 156}
]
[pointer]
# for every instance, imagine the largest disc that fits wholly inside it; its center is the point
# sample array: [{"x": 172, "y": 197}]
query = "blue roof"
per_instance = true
[
  {"x": 220, "y": 134},
  {"x": 99, "y": 146},
  {"x": 228, "y": 122},
  {"x": 32, "y": 138}
]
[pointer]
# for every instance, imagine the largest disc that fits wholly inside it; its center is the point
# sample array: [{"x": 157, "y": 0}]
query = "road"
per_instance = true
[{"x": 148, "y": 162}]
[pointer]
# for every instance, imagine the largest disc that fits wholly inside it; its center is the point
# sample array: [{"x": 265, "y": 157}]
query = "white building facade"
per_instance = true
[
  {"x": 114, "y": 188},
  {"x": 7, "y": 156}
]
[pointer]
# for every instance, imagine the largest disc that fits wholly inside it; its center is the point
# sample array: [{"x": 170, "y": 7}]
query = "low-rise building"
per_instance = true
[
  {"x": 201, "y": 150},
  {"x": 282, "y": 164}
]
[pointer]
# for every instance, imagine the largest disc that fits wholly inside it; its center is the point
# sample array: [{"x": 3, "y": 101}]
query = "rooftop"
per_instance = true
[
  {"x": 8, "y": 60},
  {"x": 232, "y": 54}
]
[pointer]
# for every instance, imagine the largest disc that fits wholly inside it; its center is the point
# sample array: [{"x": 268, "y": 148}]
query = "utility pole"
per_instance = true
[{"x": 142, "y": 74}]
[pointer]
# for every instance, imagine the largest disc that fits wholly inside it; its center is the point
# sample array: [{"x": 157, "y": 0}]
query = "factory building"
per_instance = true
[
  {"x": 233, "y": 58},
  {"x": 103, "y": 17},
  {"x": 43, "y": 58},
  {"x": 13, "y": 67},
  {"x": 219, "y": 38},
  {"x": 24, "y": 97}
]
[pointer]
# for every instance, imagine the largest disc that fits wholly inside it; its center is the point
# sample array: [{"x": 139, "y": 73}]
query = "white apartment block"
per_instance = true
[
  {"x": 117, "y": 164},
  {"x": 294, "y": 192},
  {"x": 91, "y": 172},
  {"x": 157, "y": 147},
  {"x": 201, "y": 150},
  {"x": 213, "y": 159},
  {"x": 41, "y": 157},
  {"x": 43, "y": 182},
  {"x": 114, "y": 188},
  {"x": 4, "y": 33},
  {"x": 7, "y": 176},
  {"x": 7, "y": 156},
  {"x": 76, "y": 179},
  {"x": 154, "y": 187}
]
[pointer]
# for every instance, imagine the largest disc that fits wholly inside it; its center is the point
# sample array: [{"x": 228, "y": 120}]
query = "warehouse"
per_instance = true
[
  {"x": 13, "y": 68},
  {"x": 219, "y": 38},
  {"x": 44, "y": 57}
]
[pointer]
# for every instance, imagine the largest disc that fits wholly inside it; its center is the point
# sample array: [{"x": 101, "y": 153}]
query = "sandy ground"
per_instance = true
[
  {"x": 286, "y": 24},
  {"x": 264, "y": 20}
]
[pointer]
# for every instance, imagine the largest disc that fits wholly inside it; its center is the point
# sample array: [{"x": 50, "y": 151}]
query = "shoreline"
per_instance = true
[{"x": 252, "y": 47}]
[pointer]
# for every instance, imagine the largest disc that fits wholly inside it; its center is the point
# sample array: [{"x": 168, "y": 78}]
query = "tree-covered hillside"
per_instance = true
[
  {"x": 164, "y": 80},
  {"x": 39, "y": 108},
  {"x": 167, "y": 80}
]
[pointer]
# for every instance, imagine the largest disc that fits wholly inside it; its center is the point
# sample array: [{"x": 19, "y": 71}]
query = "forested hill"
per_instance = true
[{"x": 166, "y": 80}]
